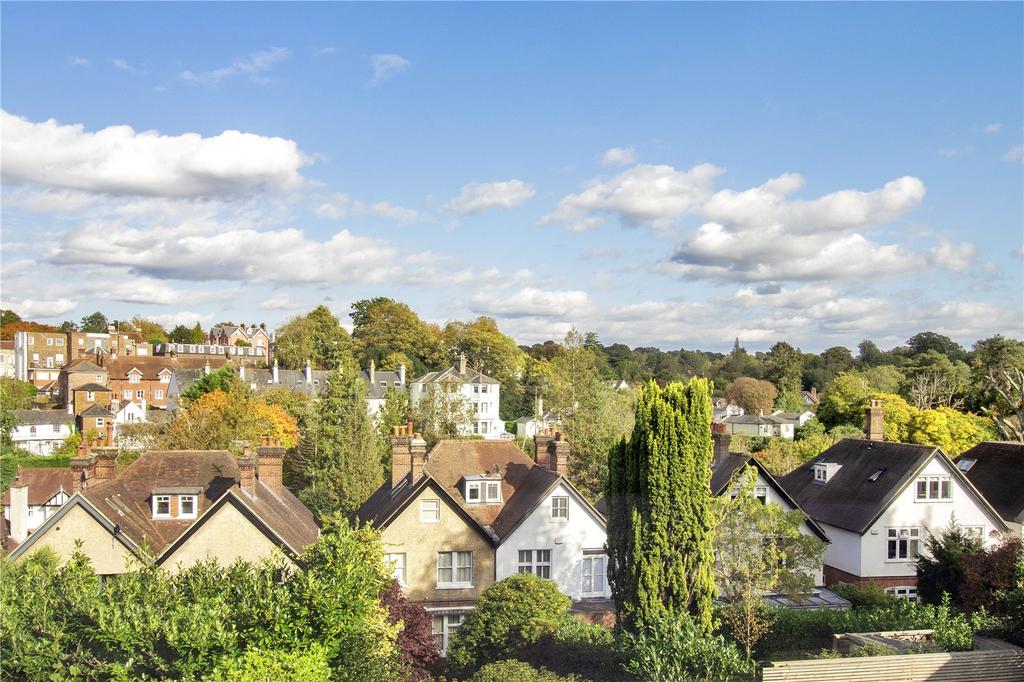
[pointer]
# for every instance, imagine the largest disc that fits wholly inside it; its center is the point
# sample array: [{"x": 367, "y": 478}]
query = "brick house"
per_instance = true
[
  {"x": 254, "y": 336},
  {"x": 38, "y": 357},
  {"x": 147, "y": 380}
]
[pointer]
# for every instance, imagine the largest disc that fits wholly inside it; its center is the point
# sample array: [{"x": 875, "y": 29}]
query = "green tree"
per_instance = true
[
  {"x": 149, "y": 330},
  {"x": 869, "y": 354},
  {"x": 97, "y": 322},
  {"x": 385, "y": 330},
  {"x": 837, "y": 360},
  {"x": 395, "y": 411},
  {"x": 443, "y": 412},
  {"x": 337, "y": 464},
  {"x": 491, "y": 352},
  {"x": 660, "y": 517},
  {"x": 222, "y": 379},
  {"x": 844, "y": 401},
  {"x": 16, "y": 394},
  {"x": 316, "y": 337},
  {"x": 954, "y": 432},
  {"x": 936, "y": 380},
  {"x": 755, "y": 396},
  {"x": 183, "y": 334},
  {"x": 7, "y": 316},
  {"x": 997, "y": 383},
  {"x": 784, "y": 367},
  {"x": 899, "y": 415},
  {"x": 759, "y": 549},
  {"x": 930, "y": 341},
  {"x": 884, "y": 378}
]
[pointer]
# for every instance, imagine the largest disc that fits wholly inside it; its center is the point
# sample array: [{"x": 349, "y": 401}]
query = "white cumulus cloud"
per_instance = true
[
  {"x": 340, "y": 205},
  {"x": 618, "y": 156},
  {"x": 477, "y": 197},
  {"x": 529, "y": 302},
  {"x": 1014, "y": 153}
]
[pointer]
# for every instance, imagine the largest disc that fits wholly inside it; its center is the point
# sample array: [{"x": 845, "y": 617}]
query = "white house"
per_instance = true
[
  {"x": 878, "y": 502},
  {"x": 531, "y": 425},
  {"x": 997, "y": 471},
  {"x": 39, "y": 492},
  {"x": 797, "y": 419},
  {"x": 41, "y": 432},
  {"x": 480, "y": 393},
  {"x": 377, "y": 384},
  {"x": 759, "y": 425},
  {"x": 723, "y": 407},
  {"x": 129, "y": 413}
]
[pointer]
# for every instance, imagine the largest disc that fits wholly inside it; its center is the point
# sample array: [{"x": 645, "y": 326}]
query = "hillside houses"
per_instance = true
[{"x": 462, "y": 386}]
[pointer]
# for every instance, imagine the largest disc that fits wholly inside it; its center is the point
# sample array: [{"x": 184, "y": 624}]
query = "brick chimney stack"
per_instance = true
[
  {"x": 108, "y": 438},
  {"x": 80, "y": 466},
  {"x": 104, "y": 464},
  {"x": 540, "y": 447},
  {"x": 401, "y": 454},
  {"x": 418, "y": 453},
  {"x": 462, "y": 363},
  {"x": 722, "y": 439},
  {"x": 270, "y": 463},
  {"x": 247, "y": 471},
  {"x": 558, "y": 455},
  {"x": 874, "y": 422}
]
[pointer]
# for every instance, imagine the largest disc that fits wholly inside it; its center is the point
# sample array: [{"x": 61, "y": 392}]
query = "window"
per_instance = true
[
  {"x": 761, "y": 493},
  {"x": 493, "y": 491},
  {"x": 165, "y": 378},
  {"x": 560, "y": 508},
  {"x": 593, "y": 573},
  {"x": 134, "y": 378},
  {"x": 965, "y": 465},
  {"x": 186, "y": 505},
  {"x": 483, "y": 388},
  {"x": 430, "y": 511},
  {"x": 60, "y": 342},
  {"x": 59, "y": 357},
  {"x": 126, "y": 394},
  {"x": 908, "y": 593},
  {"x": 535, "y": 561},
  {"x": 975, "y": 531},
  {"x": 56, "y": 428},
  {"x": 476, "y": 388},
  {"x": 483, "y": 427},
  {"x": 161, "y": 506},
  {"x": 100, "y": 422},
  {"x": 454, "y": 569},
  {"x": 90, "y": 396},
  {"x": 140, "y": 394},
  {"x": 472, "y": 491},
  {"x": 934, "y": 488},
  {"x": 81, "y": 342},
  {"x": 397, "y": 562},
  {"x": 49, "y": 342},
  {"x": 31, "y": 430},
  {"x": 820, "y": 473},
  {"x": 158, "y": 394},
  {"x": 31, "y": 341},
  {"x": 902, "y": 543},
  {"x": 443, "y": 627}
]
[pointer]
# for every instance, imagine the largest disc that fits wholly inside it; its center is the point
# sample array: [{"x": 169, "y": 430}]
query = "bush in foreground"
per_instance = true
[
  {"x": 673, "y": 648},
  {"x": 517, "y": 671}
]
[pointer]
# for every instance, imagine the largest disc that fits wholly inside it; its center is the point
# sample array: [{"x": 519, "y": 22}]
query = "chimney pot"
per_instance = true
[
  {"x": 874, "y": 422},
  {"x": 372, "y": 373},
  {"x": 271, "y": 467}
]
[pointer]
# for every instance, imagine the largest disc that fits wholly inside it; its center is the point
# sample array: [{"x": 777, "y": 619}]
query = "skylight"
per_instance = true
[
  {"x": 874, "y": 477},
  {"x": 966, "y": 464}
]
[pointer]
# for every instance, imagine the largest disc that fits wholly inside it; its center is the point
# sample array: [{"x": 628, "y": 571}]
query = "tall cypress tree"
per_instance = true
[{"x": 661, "y": 559}]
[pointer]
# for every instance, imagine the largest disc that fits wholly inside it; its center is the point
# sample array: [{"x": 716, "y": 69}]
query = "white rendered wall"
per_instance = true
[{"x": 565, "y": 539}]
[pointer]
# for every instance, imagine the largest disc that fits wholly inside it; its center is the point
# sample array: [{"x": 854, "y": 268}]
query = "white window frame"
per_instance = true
[
  {"x": 560, "y": 508},
  {"x": 820, "y": 473},
  {"x": 761, "y": 493},
  {"x": 458, "y": 564},
  {"x": 933, "y": 489},
  {"x": 158, "y": 394},
  {"x": 49, "y": 342},
  {"x": 898, "y": 535},
  {"x": 126, "y": 394},
  {"x": 181, "y": 506},
  {"x": 474, "y": 492},
  {"x": 430, "y": 511},
  {"x": 535, "y": 561},
  {"x": 593, "y": 558},
  {"x": 157, "y": 499},
  {"x": 907, "y": 592},
  {"x": 90, "y": 396},
  {"x": 134, "y": 378},
  {"x": 59, "y": 342},
  {"x": 398, "y": 563},
  {"x": 492, "y": 487},
  {"x": 100, "y": 422},
  {"x": 140, "y": 394},
  {"x": 443, "y": 625}
]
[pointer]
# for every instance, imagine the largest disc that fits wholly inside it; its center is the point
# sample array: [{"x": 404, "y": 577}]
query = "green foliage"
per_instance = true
[
  {"x": 844, "y": 401},
  {"x": 668, "y": 648},
  {"x": 16, "y": 394},
  {"x": 659, "y": 508},
  {"x": 784, "y": 368},
  {"x": 869, "y": 595},
  {"x": 97, "y": 322},
  {"x": 238, "y": 622},
  {"x": 395, "y": 411},
  {"x": 516, "y": 671},
  {"x": 954, "y": 432},
  {"x": 12, "y": 459},
  {"x": 753, "y": 395},
  {"x": 316, "y": 337},
  {"x": 509, "y": 615},
  {"x": 337, "y": 465},
  {"x": 884, "y": 378},
  {"x": 7, "y": 316},
  {"x": 184, "y": 334},
  {"x": 940, "y": 570},
  {"x": 871, "y": 649},
  {"x": 898, "y": 416},
  {"x": 149, "y": 330},
  {"x": 442, "y": 412},
  {"x": 790, "y": 401},
  {"x": 223, "y": 379},
  {"x": 390, "y": 332}
]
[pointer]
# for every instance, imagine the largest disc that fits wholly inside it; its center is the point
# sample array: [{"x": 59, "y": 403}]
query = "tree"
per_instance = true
[
  {"x": 338, "y": 461},
  {"x": 936, "y": 380},
  {"x": 869, "y": 354},
  {"x": 844, "y": 401},
  {"x": 755, "y": 396},
  {"x": 759, "y": 549},
  {"x": 930, "y": 341},
  {"x": 954, "y": 432},
  {"x": 784, "y": 367},
  {"x": 9, "y": 329},
  {"x": 660, "y": 519},
  {"x": 395, "y": 411},
  {"x": 1008, "y": 384},
  {"x": 7, "y": 316},
  {"x": 899, "y": 415},
  {"x": 837, "y": 360},
  {"x": 224, "y": 379},
  {"x": 990, "y": 358},
  {"x": 884, "y": 378},
  {"x": 940, "y": 568},
  {"x": 443, "y": 412},
  {"x": 317, "y": 338},
  {"x": 183, "y": 334},
  {"x": 97, "y": 322},
  {"x": 416, "y": 646},
  {"x": 489, "y": 351},
  {"x": 16, "y": 394},
  {"x": 216, "y": 420},
  {"x": 509, "y": 615},
  {"x": 383, "y": 328},
  {"x": 149, "y": 330}
]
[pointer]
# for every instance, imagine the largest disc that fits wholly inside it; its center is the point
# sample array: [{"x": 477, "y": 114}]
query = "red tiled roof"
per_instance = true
[{"x": 43, "y": 483}]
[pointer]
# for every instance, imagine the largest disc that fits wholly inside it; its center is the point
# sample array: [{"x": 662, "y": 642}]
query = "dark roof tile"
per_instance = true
[{"x": 998, "y": 474}]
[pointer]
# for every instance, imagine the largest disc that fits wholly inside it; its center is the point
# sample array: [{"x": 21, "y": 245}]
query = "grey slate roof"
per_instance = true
[
  {"x": 94, "y": 387},
  {"x": 37, "y": 417},
  {"x": 293, "y": 379},
  {"x": 471, "y": 376},
  {"x": 998, "y": 474},
  {"x": 752, "y": 419},
  {"x": 376, "y": 391},
  {"x": 849, "y": 500},
  {"x": 97, "y": 411}
]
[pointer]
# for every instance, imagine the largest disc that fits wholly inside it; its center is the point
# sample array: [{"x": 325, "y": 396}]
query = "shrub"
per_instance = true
[
  {"x": 257, "y": 665},
  {"x": 577, "y": 647},
  {"x": 871, "y": 649},
  {"x": 869, "y": 595},
  {"x": 416, "y": 646},
  {"x": 509, "y": 616},
  {"x": 940, "y": 569},
  {"x": 516, "y": 671},
  {"x": 672, "y": 648}
]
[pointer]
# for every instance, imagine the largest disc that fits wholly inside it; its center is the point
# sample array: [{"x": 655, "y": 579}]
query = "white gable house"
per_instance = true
[
  {"x": 41, "y": 432},
  {"x": 479, "y": 393}
]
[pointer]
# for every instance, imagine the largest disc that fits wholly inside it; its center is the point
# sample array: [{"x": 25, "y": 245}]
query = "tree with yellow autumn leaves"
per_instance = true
[{"x": 214, "y": 420}]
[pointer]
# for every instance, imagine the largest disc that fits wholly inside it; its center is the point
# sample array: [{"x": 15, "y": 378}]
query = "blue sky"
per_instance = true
[{"x": 664, "y": 174}]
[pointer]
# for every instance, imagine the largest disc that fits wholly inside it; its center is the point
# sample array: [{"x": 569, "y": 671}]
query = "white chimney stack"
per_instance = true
[
  {"x": 401, "y": 373},
  {"x": 373, "y": 373},
  {"x": 241, "y": 371},
  {"x": 19, "y": 513},
  {"x": 273, "y": 372},
  {"x": 309, "y": 373}
]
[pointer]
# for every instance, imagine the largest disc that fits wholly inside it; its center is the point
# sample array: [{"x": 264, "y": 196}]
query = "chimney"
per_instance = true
[
  {"x": 108, "y": 437},
  {"x": 401, "y": 454},
  {"x": 401, "y": 373},
  {"x": 104, "y": 461},
  {"x": 462, "y": 363},
  {"x": 308, "y": 371},
  {"x": 814, "y": 392},
  {"x": 540, "y": 447},
  {"x": 241, "y": 371},
  {"x": 373, "y": 373},
  {"x": 206, "y": 367},
  {"x": 874, "y": 423},
  {"x": 539, "y": 406},
  {"x": 558, "y": 455},
  {"x": 247, "y": 472},
  {"x": 273, "y": 372},
  {"x": 143, "y": 405},
  {"x": 722, "y": 439},
  {"x": 80, "y": 466},
  {"x": 271, "y": 465},
  {"x": 418, "y": 453},
  {"x": 19, "y": 511}
]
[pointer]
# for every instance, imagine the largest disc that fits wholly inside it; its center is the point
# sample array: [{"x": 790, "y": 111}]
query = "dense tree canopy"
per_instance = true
[{"x": 316, "y": 338}]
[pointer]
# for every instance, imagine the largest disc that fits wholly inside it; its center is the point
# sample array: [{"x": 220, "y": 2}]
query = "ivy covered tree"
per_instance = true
[{"x": 660, "y": 515}]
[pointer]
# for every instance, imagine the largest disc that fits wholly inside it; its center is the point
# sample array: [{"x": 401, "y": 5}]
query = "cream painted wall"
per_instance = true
[
  {"x": 108, "y": 556},
  {"x": 565, "y": 539},
  {"x": 225, "y": 536},
  {"x": 420, "y": 542}
]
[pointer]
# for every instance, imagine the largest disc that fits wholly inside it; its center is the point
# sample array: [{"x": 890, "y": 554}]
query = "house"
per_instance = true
[
  {"x": 82, "y": 398},
  {"x": 476, "y": 511},
  {"x": 997, "y": 471},
  {"x": 41, "y": 432},
  {"x": 129, "y": 413},
  {"x": 759, "y": 425},
  {"x": 617, "y": 384},
  {"x": 530, "y": 426},
  {"x": 797, "y": 419},
  {"x": 723, "y": 407},
  {"x": 307, "y": 381},
  {"x": 38, "y": 357},
  {"x": 7, "y": 358},
  {"x": 110, "y": 343},
  {"x": 171, "y": 508},
  {"x": 77, "y": 373},
  {"x": 244, "y": 336},
  {"x": 478, "y": 392},
  {"x": 810, "y": 398},
  {"x": 725, "y": 467},
  {"x": 41, "y": 491},
  {"x": 878, "y": 502},
  {"x": 203, "y": 351},
  {"x": 378, "y": 382},
  {"x": 147, "y": 380}
]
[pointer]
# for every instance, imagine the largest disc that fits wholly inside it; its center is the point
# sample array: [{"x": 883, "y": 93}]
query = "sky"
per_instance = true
[{"x": 671, "y": 175}]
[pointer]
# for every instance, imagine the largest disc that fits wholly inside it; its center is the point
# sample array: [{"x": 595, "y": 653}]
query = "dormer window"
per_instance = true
[
  {"x": 187, "y": 505},
  {"x": 493, "y": 492},
  {"x": 820, "y": 473},
  {"x": 161, "y": 506},
  {"x": 484, "y": 489},
  {"x": 134, "y": 378},
  {"x": 176, "y": 503},
  {"x": 472, "y": 491}
]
